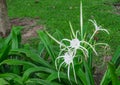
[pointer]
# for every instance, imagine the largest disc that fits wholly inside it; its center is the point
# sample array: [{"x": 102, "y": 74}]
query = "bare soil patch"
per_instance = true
[
  {"x": 117, "y": 7},
  {"x": 30, "y": 26}
]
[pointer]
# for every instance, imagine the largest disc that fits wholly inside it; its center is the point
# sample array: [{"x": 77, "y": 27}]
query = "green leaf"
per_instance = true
[
  {"x": 58, "y": 34},
  {"x": 54, "y": 76},
  {"x": 12, "y": 41},
  {"x": 118, "y": 71},
  {"x": 42, "y": 75},
  {"x": 63, "y": 76},
  {"x": 14, "y": 38},
  {"x": 114, "y": 77},
  {"x": 116, "y": 61},
  {"x": 116, "y": 57},
  {"x": 11, "y": 76},
  {"x": 4, "y": 52},
  {"x": 17, "y": 62},
  {"x": 41, "y": 82},
  {"x": 29, "y": 54},
  {"x": 2, "y": 41},
  {"x": 35, "y": 69},
  {"x": 82, "y": 77},
  {"x": 3, "y": 82},
  {"x": 41, "y": 48},
  {"x": 106, "y": 78},
  {"x": 88, "y": 74},
  {"x": 16, "y": 35},
  {"x": 47, "y": 44}
]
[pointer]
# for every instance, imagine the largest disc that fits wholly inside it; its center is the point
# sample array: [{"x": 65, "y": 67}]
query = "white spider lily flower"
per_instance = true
[
  {"x": 97, "y": 28},
  {"x": 75, "y": 43},
  {"x": 68, "y": 60},
  {"x": 67, "y": 57}
]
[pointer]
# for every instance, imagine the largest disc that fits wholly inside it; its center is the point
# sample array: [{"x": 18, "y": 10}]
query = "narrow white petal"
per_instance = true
[
  {"x": 59, "y": 70},
  {"x": 101, "y": 44},
  {"x": 65, "y": 40},
  {"x": 90, "y": 46},
  {"x": 74, "y": 72},
  {"x": 57, "y": 59},
  {"x": 94, "y": 23},
  {"x": 85, "y": 51},
  {"x": 69, "y": 72},
  {"x": 105, "y": 30}
]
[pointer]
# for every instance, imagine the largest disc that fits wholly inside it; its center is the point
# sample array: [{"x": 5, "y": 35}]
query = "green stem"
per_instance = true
[{"x": 93, "y": 35}]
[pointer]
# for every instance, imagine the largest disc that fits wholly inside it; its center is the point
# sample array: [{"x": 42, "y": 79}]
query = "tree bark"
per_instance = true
[{"x": 4, "y": 21}]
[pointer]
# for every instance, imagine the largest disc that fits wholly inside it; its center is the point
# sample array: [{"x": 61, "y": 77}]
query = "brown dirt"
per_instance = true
[
  {"x": 30, "y": 26},
  {"x": 117, "y": 7}
]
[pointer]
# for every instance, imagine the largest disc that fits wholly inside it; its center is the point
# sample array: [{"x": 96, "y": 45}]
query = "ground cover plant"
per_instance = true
[
  {"x": 23, "y": 65},
  {"x": 59, "y": 60}
]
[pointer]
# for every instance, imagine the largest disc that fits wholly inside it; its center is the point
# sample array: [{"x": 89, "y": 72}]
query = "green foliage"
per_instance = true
[
  {"x": 11, "y": 42},
  {"x": 110, "y": 75},
  {"x": 47, "y": 44},
  {"x": 36, "y": 66},
  {"x": 23, "y": 65},
  {"x": 85, "y": 75},
  {"x": 3, "y": 81}
]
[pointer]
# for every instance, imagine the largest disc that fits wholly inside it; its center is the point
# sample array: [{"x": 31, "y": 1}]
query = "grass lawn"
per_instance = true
[{"x": 56, "y": 14}]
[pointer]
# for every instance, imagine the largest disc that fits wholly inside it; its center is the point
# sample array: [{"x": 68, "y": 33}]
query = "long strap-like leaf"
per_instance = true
[{"x": 116, "y": 61}]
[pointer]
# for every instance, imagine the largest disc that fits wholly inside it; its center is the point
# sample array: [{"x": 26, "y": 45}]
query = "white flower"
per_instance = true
[
  {"x": 70, "y": 51},
  {"x": 68, "y": 57},
  {"x": 75, "y": 43},
  {"x": 68, "y": 60},
  {"x": 97, "y": 28}
]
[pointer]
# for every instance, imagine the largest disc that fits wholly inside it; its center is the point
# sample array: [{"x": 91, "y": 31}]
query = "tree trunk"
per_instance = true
[{"x": 4, "y": 21}]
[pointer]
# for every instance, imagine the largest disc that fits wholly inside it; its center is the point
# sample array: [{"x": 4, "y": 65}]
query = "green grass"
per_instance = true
[{"x": 56, "y": 14}]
